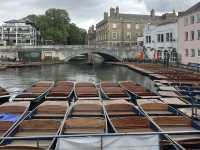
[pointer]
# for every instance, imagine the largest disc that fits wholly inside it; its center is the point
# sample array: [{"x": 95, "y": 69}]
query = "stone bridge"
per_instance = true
[{"x": 66, "y": 53}]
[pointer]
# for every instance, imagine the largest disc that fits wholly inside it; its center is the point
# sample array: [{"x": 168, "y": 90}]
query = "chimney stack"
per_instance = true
[
  {"x": 117, "y": 11},
  {"x": 153, "y": 13},
  {"x": 112, "y": 12},
  {"x": 105, "y": 15}
]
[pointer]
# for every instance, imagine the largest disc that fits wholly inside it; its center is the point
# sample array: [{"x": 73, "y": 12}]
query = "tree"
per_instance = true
[{"x": 55, "y": 26}]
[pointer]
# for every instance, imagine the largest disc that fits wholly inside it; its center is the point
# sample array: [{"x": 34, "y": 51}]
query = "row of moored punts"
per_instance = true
[{"x": 48, "y": 109}]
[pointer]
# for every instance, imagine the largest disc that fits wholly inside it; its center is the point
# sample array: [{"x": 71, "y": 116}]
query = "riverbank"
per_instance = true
[
  {"x": 154, "y": 71},
  {"x": 5, "y": 65}
]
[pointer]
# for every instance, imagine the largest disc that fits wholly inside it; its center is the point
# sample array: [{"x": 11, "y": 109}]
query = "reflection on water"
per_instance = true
[{"x": 20, "y": 78}]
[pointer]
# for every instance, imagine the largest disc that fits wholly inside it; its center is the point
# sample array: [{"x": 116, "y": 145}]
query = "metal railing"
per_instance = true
[{"x": 41, "y": 138}]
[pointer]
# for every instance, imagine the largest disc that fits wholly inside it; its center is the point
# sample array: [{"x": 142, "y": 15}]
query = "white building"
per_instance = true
[
  {"x": 18, "y": 32},
  {"x": 161, "y": 40}
]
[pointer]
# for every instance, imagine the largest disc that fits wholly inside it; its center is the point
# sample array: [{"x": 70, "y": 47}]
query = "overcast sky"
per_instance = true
[{"x": 87, "y": 12}]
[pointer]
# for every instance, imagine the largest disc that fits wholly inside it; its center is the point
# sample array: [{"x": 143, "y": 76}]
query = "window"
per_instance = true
[
  {"x": 128, "y": 26},
  {"x": 186, "y": 21},
  {"x": 148, "y": 39},
  {"x": 162, "y": 38},
  {"x": 192, "y": 35},
  {"x": 171, "y": 37},
  {"x": 114, "y": 25},
  {"x": 199, "y": 52},
  {"x": 198, "y": 32},
  {"x": 128, "y": 35},
  {"x": 186, "y": 36},
  {"x": 198, "y": 18},
  {"x": 192, "y": 52},
  {"x": 167, "y": 37},
  {"x": 137, "y": 26},
  {"x": 192, "y": 19},
  {"x": 186, "y": 52},
  {"x": 158, "y": 38},
  {"x": 114, "y": 35}
]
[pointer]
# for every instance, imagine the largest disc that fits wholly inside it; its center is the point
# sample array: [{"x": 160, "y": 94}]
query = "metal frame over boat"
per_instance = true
[
  {"x": 125, "y": 122},
  {"x": 85, "y": 117},
  {"x": 63, "y": 90},
  {"x": 110, "y": 90},
  {"x": 127, "y": 119},
  {"x": 86, "y": 90},
  {"x": 167, "y": 119},
  {"x": 43, "y": 120},
  {"x": 137, "y": 91},
  {"x": 36, "y": 93},
  {"x": 12, "y": 113}
]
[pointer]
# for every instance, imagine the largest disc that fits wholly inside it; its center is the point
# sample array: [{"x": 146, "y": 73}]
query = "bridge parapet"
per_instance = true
[{"x": 67, "y": 52}]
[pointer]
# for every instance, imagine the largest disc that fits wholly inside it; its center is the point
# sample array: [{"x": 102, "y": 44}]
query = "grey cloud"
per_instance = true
[
  {"x": 168, "y": 5},
  {"x": 85, "y": 12}
]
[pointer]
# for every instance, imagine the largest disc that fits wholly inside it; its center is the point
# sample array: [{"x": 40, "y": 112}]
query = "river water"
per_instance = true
[{"x": 20, "y": 78}]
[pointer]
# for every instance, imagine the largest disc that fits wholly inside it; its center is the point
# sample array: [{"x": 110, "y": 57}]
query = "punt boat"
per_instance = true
[
  {"x": 85, "y": 117},
  {"x": 44, "y": 120},
  {"x": 191, "y": 112},
  {"x": 110, "y": 90},
  {"x": 85, "y": 90},
  {"x": 137, "y": 91},
  {"x": 51, "y": 110},
  {"x": 11, "y": 114},
  {"x": 4, "y": 95},
  {"x": 36, "y": 93},
  {"x": 169, "y": 119},
  {"x": 119, "y": 108},
  {"x": 175, "y": 101},
  {"x": 127, "y": 119},
  {"x": 63, "y": 90}
]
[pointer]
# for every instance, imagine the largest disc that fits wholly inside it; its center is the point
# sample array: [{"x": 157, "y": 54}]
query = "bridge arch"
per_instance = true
[{"x": 105, "y": 56}]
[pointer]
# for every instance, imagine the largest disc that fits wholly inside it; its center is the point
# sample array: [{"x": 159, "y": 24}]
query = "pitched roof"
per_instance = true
[
  {"x": 192, "y": 9},
  {"x": 18, "y": 21}
]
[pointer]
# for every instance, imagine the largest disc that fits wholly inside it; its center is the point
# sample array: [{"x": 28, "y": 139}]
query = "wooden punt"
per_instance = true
[
  {"x": 63, "y": 90},
  {"x": 169, "y": 119},
  {"x": 155, "y": 107},
  {"x": 87, "y": 108},
  {"x": 85, "y": 90},
  {"x": 45, "y": 120},
  {"x": 175, "y": 101},
  {"x": 90, "y": 122},
  {"x": 190, "y": 92},
  {"x": 37, "y": 92},
  {"x": 137, "y": 91},
  {"x": 4, "y": 95},
  {"x": 110, "y": 90},
  {"x": 170, "y": 94},
  {"x": 123, "y": 121},
  {"x": 16, "y": 111},
  {"x": 51, "y": 110},
  {"x": 119, "y": 108},
  {"x": 188, "y": 111}
]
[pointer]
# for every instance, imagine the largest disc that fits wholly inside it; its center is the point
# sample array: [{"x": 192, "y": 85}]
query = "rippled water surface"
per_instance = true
[{"x": 20, "y": 78}]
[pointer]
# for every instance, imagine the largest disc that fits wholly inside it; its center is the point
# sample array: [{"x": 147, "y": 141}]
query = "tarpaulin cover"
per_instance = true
[
  {"x": 9, "y": 117},
  {"x": 130, "y": 142},
  {"x": 79, "y": 143}
]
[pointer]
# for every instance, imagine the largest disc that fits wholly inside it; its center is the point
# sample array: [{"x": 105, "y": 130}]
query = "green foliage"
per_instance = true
[{"x": 55, "y": 26}]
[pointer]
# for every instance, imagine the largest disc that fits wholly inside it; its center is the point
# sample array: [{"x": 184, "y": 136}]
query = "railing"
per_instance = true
[{"x": 40, "y": 138}]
